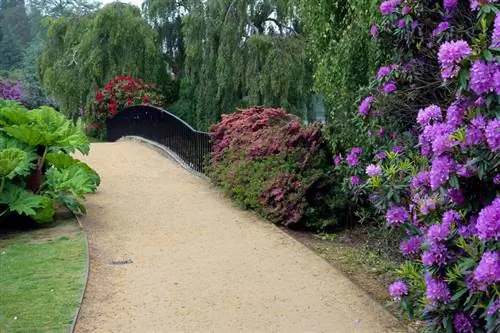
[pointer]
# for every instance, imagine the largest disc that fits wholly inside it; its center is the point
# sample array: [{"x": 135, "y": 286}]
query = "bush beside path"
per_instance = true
[{"x": 169, "y": 254}]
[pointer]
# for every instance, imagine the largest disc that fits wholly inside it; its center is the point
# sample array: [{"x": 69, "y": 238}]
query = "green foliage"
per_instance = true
[
  {"x": 36, "y": 171},
  {"x": 81, "y": 54}
]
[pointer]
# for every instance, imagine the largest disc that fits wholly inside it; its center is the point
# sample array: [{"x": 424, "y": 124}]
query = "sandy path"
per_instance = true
[{"x": 199, "y": 264}]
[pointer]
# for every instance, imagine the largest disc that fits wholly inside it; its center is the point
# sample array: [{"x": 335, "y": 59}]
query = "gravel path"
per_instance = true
[{"x": 198, "y": 264}]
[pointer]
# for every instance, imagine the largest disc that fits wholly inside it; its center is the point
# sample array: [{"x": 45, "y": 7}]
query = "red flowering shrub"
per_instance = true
[
  {"x": 268, "y": 161},
  {"x": 119, "y": 93}
]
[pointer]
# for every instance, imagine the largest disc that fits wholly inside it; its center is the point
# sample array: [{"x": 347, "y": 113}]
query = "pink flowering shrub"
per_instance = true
[
  {"x": 430, "y": 164},
  {"x": 268, "y": 161}
]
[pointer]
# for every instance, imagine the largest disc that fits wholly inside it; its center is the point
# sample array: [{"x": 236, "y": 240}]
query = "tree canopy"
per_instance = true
[{"x": 83, "y": 53}]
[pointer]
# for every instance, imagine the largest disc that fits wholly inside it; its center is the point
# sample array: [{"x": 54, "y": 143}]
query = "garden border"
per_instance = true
[{"x": 86, "y": 277}]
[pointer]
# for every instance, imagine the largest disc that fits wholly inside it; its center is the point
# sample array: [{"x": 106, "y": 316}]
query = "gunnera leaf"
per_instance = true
[
  {"x": 46, "y": 212},
  {"x": 21, "y": 201},
  {"x": 10, "y": 159},
  {"x": 62, "y": 160}
]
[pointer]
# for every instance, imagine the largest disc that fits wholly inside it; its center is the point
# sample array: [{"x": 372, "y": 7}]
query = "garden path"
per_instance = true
[{"x": 198, "y": 264}]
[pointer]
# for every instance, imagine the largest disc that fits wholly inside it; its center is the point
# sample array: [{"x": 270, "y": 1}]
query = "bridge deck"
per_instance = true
[{"x": 169, "y": 254}]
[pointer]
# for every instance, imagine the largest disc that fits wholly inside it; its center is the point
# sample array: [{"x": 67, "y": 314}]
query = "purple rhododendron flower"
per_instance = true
[
  {"x": 474, "y": 133},
  {"x": 11, "y": 91},
  {"x": 492, "y": 133},
  {"x": 496, "y": 180},
  {"x": 397, "y": 149},
  {"x": 355, "y": 180},
  {"x": 451, "y": 216},
  {"x": 479, "y": 101},
  {"x": 381, "y": 155},
  {"x": 438, "y": 232},
  {"x": 450, "y": 54},
  {"x": 373, "y": 170},
  {"x": 496, "y": 81},
  {"x": 488, "y": 222},
  {"x": 352, "y": 159},
  {"x": 427, "y": 205},
  {"x": 442, "y": 144},
  {"x": 442, "y": 27},
  {"x": 487, "y": 271},
  {"x": 398, "y": 289},
  {"x": 495, "y": 36},
  {"x": 389, "y": 6},
  {"x": 450, "y": 4},
  {"x": 411, "y": 246},
  {"x": 401, "y": 24},
  {"x": 390, "y": 87},
  {"x": 437, "y": 291},
  {"x": 494, "y": 308},
  {"x": 463, "y": 323},
  {"x": 441, "y": 169},
  {"x": 425, "y": 116},
  {"x": 356, "y": 150},
  {"x": 383, "y": 72},
  {"x": 396, "y": 215},
  {"x": 364, "y": 107},
  {"x": 455, "y": 114},
  {"x": 481, "y": 77},
  {"x": 337, "y": 160},
  {"x": 374, "y": 31},
  {"x": 455, "y": 195},
  {"x": 406, "y": 9},
  {"x": 420, "y": 179},
  {"x": 437, "y": 254},
  {"x": 414, "y": 25}
]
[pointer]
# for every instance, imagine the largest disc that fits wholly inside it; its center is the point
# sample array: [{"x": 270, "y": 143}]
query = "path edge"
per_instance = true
[{"x": 86, "y": 277}]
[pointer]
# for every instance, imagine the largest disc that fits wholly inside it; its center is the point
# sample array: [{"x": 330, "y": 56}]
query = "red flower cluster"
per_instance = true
[{"x": 121, "y": 92}]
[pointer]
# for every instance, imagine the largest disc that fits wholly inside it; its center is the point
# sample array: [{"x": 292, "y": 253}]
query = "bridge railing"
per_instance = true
[{"x": 158, "y": 125}]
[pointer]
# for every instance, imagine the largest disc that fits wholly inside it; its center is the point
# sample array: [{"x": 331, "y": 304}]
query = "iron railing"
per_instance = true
[{"x": 158, "y": 125}]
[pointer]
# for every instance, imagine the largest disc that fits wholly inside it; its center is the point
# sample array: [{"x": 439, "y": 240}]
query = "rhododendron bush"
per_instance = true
[
  {"x": 268, "y": 161},
  {"x": 431, "y": 167},
  {"x": 119, "y": 93}
]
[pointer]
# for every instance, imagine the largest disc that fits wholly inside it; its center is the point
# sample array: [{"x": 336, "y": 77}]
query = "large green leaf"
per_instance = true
[
  {"x": 46, "y": 212},
  {"x": 61, "y": 160},
  {"x": 10, "y": 159},
  {"x": 12, "y": 113},
  {"x": 21, "y": 201},
  {"x": 74, "y": 180},
  {"x": 28, "y": 163}
]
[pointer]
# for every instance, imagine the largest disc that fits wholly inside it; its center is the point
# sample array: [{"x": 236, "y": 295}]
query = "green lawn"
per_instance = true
[{"x": 41, "y": 280}]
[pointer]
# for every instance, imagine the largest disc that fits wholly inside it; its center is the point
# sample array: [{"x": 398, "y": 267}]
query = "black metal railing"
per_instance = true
[{"x": 158, "y": 125}]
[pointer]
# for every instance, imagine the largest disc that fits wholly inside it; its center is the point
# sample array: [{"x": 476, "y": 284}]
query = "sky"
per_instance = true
[{"x": 133, "y": 2}]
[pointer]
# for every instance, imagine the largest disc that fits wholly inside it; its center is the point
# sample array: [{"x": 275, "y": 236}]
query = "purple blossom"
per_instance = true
[
  {"x": 425, "y": 116},
  {"x": 352, "y": 159},
  {"x": 406, "y": 9},
  {"x": 496, "y": 81},
  {"x": 465, "y": 171},
  {"x": 455, "y": 195},
  {"x": 398, "y": 289},
  {"x": 441, "y": 169},
  {"x": 427, "y": 205},
  {"x": 450, "y": 4},
  {"x": 494, "y": 308},
  {"x": 389, "y": 6},
  {"x": 420, "y": 179},
  {"x": 481, "y": 77},
  {"x": 365, "y": 105},
  {"x": 492, "y": 133},
  {"x": 383, "y": 72},
  {"x": 488, "y": 225},
  {"x": 373, "y": 170},
  {"x": 463, "y": 323},
  {"x": 455, "y": 114},
  {"x": 401, "y": 23},
  {"x": 496, "y": 180},
  {"x": 479, "y": 101},
  {"x": 381, "y": 155},
  {"x": 356, "y": 150},
  {"x": 381, "y": 133},
  {"x": 442, "y": 27},
  {"x": 495, "y": 36},
  {"x": 474, "y": 133},
  {"x": 450, "y": 54},
  {"x": 442, "y": 144},
  {"x": 396, "y": 215},
  {"x": 397, "y": 149},
  {"x": 437, "y": 291},
  {"x": 438, "y": 232},
  {"x": 11, "y": 91},
  {"x": 487, "y": 271},
  {"x": 414, "y": 25},
  {"x": 390, "y": 87},
  {"x": 374, "y": 31},
  {"x": 451, "y": 216},
  {"x": 411, "y": 246},
  {"x": 337, "y": 160},
  {"x": 355, "y": 180}
]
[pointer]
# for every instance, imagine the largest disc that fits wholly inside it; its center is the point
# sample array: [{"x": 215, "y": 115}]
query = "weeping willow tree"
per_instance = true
[
  {"x": 234, "y": 53},
  {"x": 82, "y": 54}
]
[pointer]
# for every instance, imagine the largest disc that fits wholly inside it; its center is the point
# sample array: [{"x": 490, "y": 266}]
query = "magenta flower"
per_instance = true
[
  {"x": 488, "y": 225},
  {"x": 441, "y": 169},
  {"x": 425, "y": 116},
  {"x": 495, "y": 36},
  {"x": 456, "y": 196},
  {"x": 355, "y": 180},
  {"x": 492, "y": 133},
  {"x": 463, "y": 323},
  {"x": 381, "y": 155},
  {"x": 481, "y": 77},
  {"x": 401, "y": 24},
  {"x": 390, "y": 87},
  {"x": 398, "y": 289},
  {"x": 488, "y": 270},
  {"x": 406, "y": 9},
  {"x": 450, "y": 4},
  {"x": 437, "y": 254},
  {"x": 373, "y": 170},
  {"x": 337, "y": 160},
  {"x": 374, "y": 31},
  {"x": 411, "y": 246},
  {"x": 442, "y": 27},
  {"x": 364, "y": 107},
  {"x": 450, "y": 54},
  {"x": 396, "y": 215},
  {"x": 455, "y": 114},
  {"x": 356, "y": 150},
  {"x": 352, "y": 159},
  {"x": 437, "y": 291},
  {"x": 438, "y": 232},
  {"x": 389, "y": 6},
  {"x": 383, "y": 72}
]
